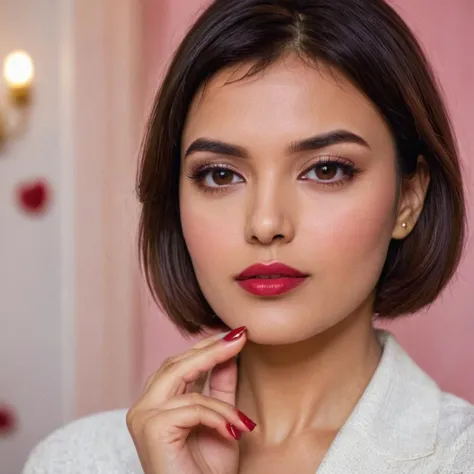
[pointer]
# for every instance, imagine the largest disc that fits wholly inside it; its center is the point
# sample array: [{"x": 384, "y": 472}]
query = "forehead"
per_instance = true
[{"x": 289, "y": 99}]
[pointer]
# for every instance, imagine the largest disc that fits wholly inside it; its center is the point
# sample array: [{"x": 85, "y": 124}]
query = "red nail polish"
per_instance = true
[
  {"x": 235, "y": 334},
  {"x": 246, "y": 421},
  {"x": 236, "y": 434}
]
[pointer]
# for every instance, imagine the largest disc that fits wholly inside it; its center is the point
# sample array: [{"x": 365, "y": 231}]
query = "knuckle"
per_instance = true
[
  {"x": 130, "y": 416},
  {"x": 168, "y": 362},
  {"x": 195, "y": 398},
  {"x": 197, "y": 409},
  {"x": 133, "y": 421}
]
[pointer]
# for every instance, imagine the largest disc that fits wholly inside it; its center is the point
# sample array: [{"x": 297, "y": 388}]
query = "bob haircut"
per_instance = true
[{"x": 366, "y": 41}]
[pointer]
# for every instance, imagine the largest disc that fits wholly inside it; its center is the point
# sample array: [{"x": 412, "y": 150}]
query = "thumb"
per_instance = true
[{"x": 223, "y": 381}]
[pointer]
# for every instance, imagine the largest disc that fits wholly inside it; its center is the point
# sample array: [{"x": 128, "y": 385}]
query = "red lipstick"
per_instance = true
[{"x": 270, "y": 280}]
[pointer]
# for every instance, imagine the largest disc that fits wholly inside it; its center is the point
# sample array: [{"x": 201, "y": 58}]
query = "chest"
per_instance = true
[
  {"x": 281, "y": 464},
  {"x": 302, "y": 456}
]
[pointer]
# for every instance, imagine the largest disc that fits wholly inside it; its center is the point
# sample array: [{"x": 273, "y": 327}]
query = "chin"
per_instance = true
[
  {"x": 279, "y": 327},
  {"x": 273, "y": 338}
]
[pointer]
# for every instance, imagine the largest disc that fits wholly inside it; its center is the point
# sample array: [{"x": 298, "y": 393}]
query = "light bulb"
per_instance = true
[{"x": 18, "y": 69}]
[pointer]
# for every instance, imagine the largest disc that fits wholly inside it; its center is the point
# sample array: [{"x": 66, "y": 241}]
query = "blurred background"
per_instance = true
[{"x": 78, "y": 331}]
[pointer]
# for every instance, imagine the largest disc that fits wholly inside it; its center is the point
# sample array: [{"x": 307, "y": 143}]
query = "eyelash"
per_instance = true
[{"x": 199, "y": 172}]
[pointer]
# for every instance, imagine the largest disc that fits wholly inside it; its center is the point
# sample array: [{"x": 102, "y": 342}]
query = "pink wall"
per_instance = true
[{"x": 439, "y": 339}]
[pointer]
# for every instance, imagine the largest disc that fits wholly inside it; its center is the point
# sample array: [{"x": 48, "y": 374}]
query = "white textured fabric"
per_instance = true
[{"x": 402, "y": 424}]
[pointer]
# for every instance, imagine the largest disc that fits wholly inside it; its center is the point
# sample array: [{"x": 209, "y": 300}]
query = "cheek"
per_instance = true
[
  {"x": 354, "y": 233},
  {"x": 361, "y": 228},
  {"x": 212, "y": 230}
]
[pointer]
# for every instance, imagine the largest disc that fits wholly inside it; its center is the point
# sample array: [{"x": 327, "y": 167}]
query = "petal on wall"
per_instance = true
[
  {"x": 7, "y": 420},
  {"x": 33, "y": 197}
]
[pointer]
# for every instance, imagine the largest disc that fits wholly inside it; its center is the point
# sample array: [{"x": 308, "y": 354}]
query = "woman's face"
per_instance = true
[{"x": 327, "y": 210}]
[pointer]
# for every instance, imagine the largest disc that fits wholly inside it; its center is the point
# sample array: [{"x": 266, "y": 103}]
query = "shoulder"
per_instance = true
[
  {"x": 456, "y": 433},
  {"x": 419, "y": 426},
  {"x": 98, "y": 443}
]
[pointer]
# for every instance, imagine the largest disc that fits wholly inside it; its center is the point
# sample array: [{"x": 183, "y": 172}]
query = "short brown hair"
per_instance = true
[{"x": 371, "y": 45}]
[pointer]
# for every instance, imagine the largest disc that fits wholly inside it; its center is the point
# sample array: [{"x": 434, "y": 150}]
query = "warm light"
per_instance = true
[{"x": 18, "y": 69}]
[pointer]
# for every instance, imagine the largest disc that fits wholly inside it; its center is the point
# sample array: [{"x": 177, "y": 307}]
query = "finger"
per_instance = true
[
  {"x": 174, "y": 425},
  {"x": 172, "y": 360},
  {"x": 209, "y": 340},
  {"x": 223, "y": 381},
  {"x": 199, "y": 385},
  {"x": 229, "y": 412},
  {"x": 173, "y": 379}
]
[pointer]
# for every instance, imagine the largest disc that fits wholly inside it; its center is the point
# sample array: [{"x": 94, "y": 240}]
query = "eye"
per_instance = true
[
  {"x": 220, "y": 177},
  {"x": 330, "y": 171},
  {"x": 214, "y": 177}
]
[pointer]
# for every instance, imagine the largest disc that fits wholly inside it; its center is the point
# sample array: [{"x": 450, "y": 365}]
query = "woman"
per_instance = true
[{"x": 299, "y": 179}]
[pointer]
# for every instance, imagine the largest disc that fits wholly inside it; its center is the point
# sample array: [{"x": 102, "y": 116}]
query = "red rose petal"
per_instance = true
[
  {"x": 7, "y": 420},
  {"x": 33, "y": 197}
]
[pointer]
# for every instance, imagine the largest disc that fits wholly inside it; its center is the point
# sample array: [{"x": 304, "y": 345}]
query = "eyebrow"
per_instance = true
[{"x": 308, "y": 144}]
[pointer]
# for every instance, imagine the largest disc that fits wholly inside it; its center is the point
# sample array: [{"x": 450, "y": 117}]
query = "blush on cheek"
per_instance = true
[
  {"x": 349, "y": 260},
  {"x": 210, "y": 242},
  {"x": 369, "y": 232},
  {"x": 357, "y": 230}
]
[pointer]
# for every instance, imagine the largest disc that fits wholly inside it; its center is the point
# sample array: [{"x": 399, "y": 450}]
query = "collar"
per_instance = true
[{"x": 399, "y": 411}]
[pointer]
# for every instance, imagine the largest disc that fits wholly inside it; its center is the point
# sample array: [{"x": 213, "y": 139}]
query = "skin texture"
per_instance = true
[{"x": 314, "y": 344}]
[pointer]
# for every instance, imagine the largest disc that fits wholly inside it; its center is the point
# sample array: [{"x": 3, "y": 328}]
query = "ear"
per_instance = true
[{"x": 412, "y": 196}]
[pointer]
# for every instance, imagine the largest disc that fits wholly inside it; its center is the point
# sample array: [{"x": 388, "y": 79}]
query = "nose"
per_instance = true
[{"x": 269, "y": 217}]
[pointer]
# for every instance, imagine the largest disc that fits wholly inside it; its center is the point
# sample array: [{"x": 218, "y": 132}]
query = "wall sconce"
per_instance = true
[{"x": 18, "y": 72}]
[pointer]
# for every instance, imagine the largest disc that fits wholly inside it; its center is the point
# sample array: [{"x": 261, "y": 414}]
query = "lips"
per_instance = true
[
  {"x": 272, "y": 270},
  {"x": 270, "y": 280}
]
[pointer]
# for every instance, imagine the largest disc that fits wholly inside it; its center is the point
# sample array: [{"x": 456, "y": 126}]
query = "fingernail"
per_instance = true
[
  {"x": 246, "y": 421},
  {"x": 234, "y": 334},
  {"x": 234, "y": 431}
]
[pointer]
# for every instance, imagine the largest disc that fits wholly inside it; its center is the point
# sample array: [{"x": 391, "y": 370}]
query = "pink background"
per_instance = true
[{"x": 440, "y": 338}]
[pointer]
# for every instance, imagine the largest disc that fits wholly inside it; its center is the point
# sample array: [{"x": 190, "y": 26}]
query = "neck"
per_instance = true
[{"x": 310, "y": 386}]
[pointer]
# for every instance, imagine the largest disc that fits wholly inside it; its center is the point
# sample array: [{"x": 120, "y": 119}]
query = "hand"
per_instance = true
[{"x": 180, "y": 432}]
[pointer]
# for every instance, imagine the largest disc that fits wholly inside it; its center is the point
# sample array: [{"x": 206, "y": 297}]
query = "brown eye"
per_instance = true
[
  {"x": 326, "y": 171},
  {"x": 330, "y": 172},
  {"x": 222, "y": 177},
  {"x": 217, "y": 177}
]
